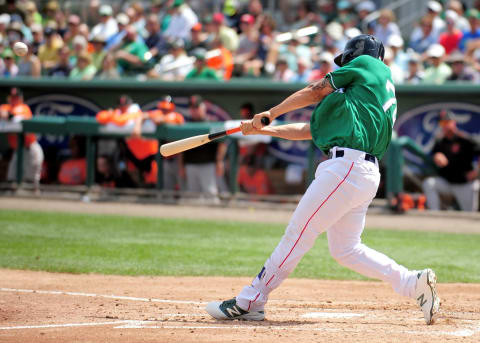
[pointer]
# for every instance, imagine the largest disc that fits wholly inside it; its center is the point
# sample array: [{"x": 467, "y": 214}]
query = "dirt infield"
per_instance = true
[
  {"x": 50, "y": 307},
  {"x": 47, "y": 307}
]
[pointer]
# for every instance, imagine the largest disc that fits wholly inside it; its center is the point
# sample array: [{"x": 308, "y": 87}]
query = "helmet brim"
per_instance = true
[{"x": 338, "y": 60}]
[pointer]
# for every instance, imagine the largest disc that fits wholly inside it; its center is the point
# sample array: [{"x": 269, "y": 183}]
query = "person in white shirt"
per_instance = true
[
  {"x": 182, "y": 21},
  {"x": 107, "y": 26}
]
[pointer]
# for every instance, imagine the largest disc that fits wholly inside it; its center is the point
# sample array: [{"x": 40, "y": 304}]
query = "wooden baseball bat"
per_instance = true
[{"x": 181, "y": 145}]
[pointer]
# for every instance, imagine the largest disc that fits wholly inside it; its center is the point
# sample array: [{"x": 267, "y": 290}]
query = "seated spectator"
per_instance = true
[
  {"x": 29, "y": 65},
  {"x": 181, "y": 21},
  {"x": 109, "y": 70},
  {"x": 400, "y": 58},
  {"x": 454, "y": 154},
  {"x": 252, "y": 179},
  {"x": 450, "y": 39},
  {"x": 363, "y": 9},
  {"x": 438, "y": 71},
  {"x": 107, "y": 26},
  {"x": 397, "y": 72},
  {"x": 130, "y": 55},
  {"x": 48, "y": 52},
  {"x": 73, "y": 30},
  {"x": 198, "y": 38},
  {"x": 113, "y": 42},
  {"x": 222, "y": 62},
  {"x": 434, "y": 8},
  {"x": 227, "y": 35},
  {"x": 461, "y": 71},
  {"x": 9, "y": 67},
  {"x": 200, "y": 70},
  {"x": 84, "y": 70},
  {"x": 80, "y": 45},
  {"x": 386, "y": 26},
  {"x": 63, "y": 67},
  {"x": 99, "y": 51},
  {"x": 415, "y": 72},
  {"x": 422, "y": 38},
  {"x": 473, "y": 16},
  {"x": 31, "y": 13},
  {"x": 73, "y": 171},
  {"x": 324, "y": 66},
  {"x": 156, "y": 43},
  {"x": 38, "y": 38},
  {"x": 16, "y": 110},
  {"x": 174, "y": 66},
  {"x": 249, "y": 43},
  {"x": 303, "y": 71},
  {"x": 282, "y": 72},
  {"x": 461, "y": 22}
]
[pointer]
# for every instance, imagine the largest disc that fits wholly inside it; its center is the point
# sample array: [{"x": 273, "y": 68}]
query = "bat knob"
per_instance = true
[{"x": 265, "y": 121}]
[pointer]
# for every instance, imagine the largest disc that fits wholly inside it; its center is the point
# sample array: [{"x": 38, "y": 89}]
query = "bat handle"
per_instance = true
[{"x": 265, "y": 121}]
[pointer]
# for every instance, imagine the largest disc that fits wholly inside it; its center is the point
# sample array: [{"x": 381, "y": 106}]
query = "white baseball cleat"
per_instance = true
[
  {"x": 426, "y": 295},
  {"x": 229, "y": 310}
]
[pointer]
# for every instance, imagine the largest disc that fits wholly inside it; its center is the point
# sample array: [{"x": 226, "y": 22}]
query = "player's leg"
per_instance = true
[
  {"x": 467, "y": 195},
  {"x": 432, "y": 187}
]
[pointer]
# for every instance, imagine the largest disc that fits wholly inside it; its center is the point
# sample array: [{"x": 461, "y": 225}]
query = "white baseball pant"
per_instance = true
[{"x": 336, "y": 202}]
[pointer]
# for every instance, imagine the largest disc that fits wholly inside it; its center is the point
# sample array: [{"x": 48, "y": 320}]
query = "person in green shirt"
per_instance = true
[
  {"x": 84, "y": 70},
  {"x": 352, "y": 122},
  {"x": 200, "y": 70},
  {"x": 131, "y": 53}
]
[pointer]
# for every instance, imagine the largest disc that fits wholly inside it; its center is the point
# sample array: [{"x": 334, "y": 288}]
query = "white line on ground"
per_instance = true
[
  {"x": 120, "y": 297},
  {"x": 61, "y": 325},
  {"x": 331, "y": 315}
]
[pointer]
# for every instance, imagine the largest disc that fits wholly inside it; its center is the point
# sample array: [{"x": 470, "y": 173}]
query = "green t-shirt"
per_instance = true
[
  {"x": 135, "y": 48},
  {"x": 204, "y": 74},
  {"x": 361, "y": 112}
]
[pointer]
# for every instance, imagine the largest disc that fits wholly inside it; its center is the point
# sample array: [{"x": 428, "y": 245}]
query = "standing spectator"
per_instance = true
[
  {"x": 107, "y": 26},
  {"x": 450, "y": 39},
  {"x": 156, "y": 43},
  {"x": 438, "y": 72},
  {"x": 48, "y": 52},
  {"x": 181, "y": 22},
  {"x": 473, "y": 19},
  {"x": 131, "y": 54},
  {"x": 16, "y": 110},
  {"x": 415, "y": 73},
  {"x": 423, "y": 37},
  {"x": 165, "y": 114},
  {"x": 454, "y": 154},
  {"x": 84, "y": 69},
  {"x": 29, "y": 65},
  {"x": 460, "y": 71},
  {"x": 63, "y": 67},
  {"x": 386, "y": 26},
  {"x": 200, "y": 70},
  {"x": 203, "y": 164},
  {"x": 9, "y": 68}
]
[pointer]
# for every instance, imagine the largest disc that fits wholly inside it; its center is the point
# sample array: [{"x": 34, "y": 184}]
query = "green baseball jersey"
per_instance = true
[{"x": 361, "y": 112}]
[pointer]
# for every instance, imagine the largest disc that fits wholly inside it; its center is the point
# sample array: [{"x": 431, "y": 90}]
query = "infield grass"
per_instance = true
[{"x": 109, "y": 244}]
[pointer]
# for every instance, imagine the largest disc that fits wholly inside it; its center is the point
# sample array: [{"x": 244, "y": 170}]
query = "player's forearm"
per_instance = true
[
  {"x": 293, "y": 132},
  {"x": 309, "y": 95}
]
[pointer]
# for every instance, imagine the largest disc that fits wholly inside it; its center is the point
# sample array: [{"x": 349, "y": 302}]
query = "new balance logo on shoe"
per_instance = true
[
  {"x": 234, "y": 311},
  {"x": 421, "y": 300},
  {"x": 229, "y": 309}
]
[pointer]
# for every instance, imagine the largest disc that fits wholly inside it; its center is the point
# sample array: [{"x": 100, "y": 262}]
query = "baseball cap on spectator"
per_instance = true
[
  {"x": 218, "y": 18},
  {"x": 5, "y": 19},
  {"x": 413, "y": 58},
  {"x": 368, "y": 6},
  {"x": 15, "y": 26},
  {"x": 105, "y": 10},
  {"x": 325, "y": 57},
  {"x": 395, "y": 40},
  {"x": 123, "y": 19},
  {"x": 79, "y": 40},
  {"x": 472, "y": 13},
  {"x": 48, "y": 31},
  {"x": 352, "y": 32},
  {"x": 334, "y": 30},
  {"x": 36, "y": 27},
  {"x": 74, "y": 19},
  {"x": 436, "y": 51},
  {"x": 247, "y": 18},
  {"x": 343, "y": 5},
  {"x": 456, "y": 56},
  {"x": 197, "y": 27},
  {"x": 8, "y": 53},
  {"x": 434, "y": 6},
  {"x": 52, "y": 6},
  {"x": 451, "y": 16},
  {"x": 176, "y": 44}
]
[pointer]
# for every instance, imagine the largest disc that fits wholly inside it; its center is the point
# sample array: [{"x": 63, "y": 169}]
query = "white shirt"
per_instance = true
[{"x": 181, "y": 23}]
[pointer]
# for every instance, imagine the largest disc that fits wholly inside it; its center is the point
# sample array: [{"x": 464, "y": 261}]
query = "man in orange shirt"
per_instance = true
[
  {"x": 16, "y": 110},
  {"x": 165, "y": 114}
]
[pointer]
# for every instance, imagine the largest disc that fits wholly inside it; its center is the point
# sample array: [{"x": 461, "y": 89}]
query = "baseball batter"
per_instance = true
[{"x": 352, "y": 123}]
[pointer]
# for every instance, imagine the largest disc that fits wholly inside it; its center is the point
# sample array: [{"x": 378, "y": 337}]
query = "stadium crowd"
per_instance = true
[{"x": 177, "y": 40}]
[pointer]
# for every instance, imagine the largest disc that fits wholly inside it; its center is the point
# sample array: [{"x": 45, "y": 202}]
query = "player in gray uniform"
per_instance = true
[{"x": 352, "y": 123}]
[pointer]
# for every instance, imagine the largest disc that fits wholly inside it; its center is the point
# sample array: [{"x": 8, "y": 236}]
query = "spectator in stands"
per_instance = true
[
  {"x": 303, "y": 71},
  {"x": 415, "y": 73},
  {"x": 248, "y": 44},
  {"x": 131, "y": 54},
  {"x": 325, "y": 66},
  {"x": 9, "y": 68},
  {"x": 461, "y": 71},
  {"x": 200, "y": 70},
  {"x": 450, "y": 39},
  {"x": 38, "y": 39},
  {"x": 29, "y": 65},
  {"x": 181, "y": 22},
  {"x": 473, "y": 16},
  {"x": 48, "y": 52},
  {"x": 172, "y": 166},
  {"x": 434, "y": 8},
  {"x": 16, "y": 110},
  {"x": 63, "y": 67},
  {"x": 107, "y": 26},
  {"x": 84, "y": 69},
  {"x": 73, "y": 171},
  {"x": 386, "y": 26},
  {"x": 252, "y": 179},
  {"x": 400, "y": 58},
  {"x": 137, "y": 19},
  {"x": 109, "y": 70},
  {"x": 461, "y": 22},
  {"x": 203, "y": 164},
  {"x": 454, "y": 154},
  {"x": 198, "y": 38},
  {"x": 247, "y": 111},
  {"x": 156, "y": 43},
  {"x": 397, "y": 72},
  {"x": 80, "y": 46},
  {"x": 175, "y": 65},
  {"x": 424, "y": 36},
  {"x": 115, "y": 41},
  {"x": 31, "y": 13},
  {"x": 99, "y": 51},
  {"x": 50, "y": 12},
  {"x": 222, "y": 61},
  {"x": 73, "y": 30},
  {"x": 363, "y": 9},
  {"x": 282, "y": 72},
  {"x": 227, "y": 35},
  {"x": 438, "y": 71}
]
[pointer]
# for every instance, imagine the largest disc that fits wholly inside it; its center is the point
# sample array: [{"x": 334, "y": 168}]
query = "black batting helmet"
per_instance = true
[{"x": 361, "y": 45}]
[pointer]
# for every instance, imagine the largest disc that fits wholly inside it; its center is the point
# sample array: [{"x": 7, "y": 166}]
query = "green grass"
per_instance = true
[{"x": 78, "y": 243}]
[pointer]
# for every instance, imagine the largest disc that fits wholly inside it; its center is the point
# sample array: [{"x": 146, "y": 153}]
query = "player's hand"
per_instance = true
[
  {"x": 248, "y": 129},
  {"x": 257, "y": 119},
  {"x": 440, "y": 160}
]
